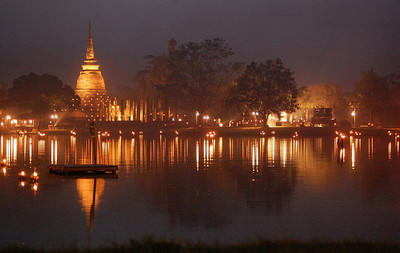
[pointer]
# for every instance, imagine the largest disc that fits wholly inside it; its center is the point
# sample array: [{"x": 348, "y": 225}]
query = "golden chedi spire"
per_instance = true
[
  {"x": 90, "y": 50},
  {"x": 90, "y": 85}
]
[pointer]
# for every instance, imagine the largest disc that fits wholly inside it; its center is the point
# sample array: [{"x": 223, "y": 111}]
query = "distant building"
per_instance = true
[
  {"x": 90, "y": 86},
  {"x": 96, "y": 104}
]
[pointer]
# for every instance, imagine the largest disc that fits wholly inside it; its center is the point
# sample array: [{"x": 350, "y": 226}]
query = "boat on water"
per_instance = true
[{"x": 83, "y": 169}]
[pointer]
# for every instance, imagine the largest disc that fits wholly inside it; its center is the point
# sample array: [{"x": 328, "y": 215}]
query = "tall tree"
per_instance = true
[
  {"x": 3, "y": 91},
  {"x": 267, "y": 88},
  {"x": 392, "y": 118},
  {"x": 150, "y": 80},
  {"x": 153, "y": 76},
  {"x": 39, "y": 95},
  {"x": 191, "y": 77},
  {"x": 199, "y": 76},
  {"x": 370, "y": 95}
]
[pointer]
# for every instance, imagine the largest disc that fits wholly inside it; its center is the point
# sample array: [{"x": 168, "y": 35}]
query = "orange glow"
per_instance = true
[
  {"x": 35, "y": 176},
  {"x": 211, "y": 134},
  {"x": 86, "y": 189},
  {"x": 105, "y": 134},
  {"x": 35, "y": 187}
]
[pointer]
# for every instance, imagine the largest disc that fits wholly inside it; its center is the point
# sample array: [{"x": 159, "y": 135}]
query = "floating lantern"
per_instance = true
[
  {"x": 22, "y": 176},
  {"x": 35, "y": 176},
  {"x": 211, "y": 134}
]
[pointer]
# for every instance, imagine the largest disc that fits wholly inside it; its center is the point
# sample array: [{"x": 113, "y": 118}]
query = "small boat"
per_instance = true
[{"x": 83, "y": 169}]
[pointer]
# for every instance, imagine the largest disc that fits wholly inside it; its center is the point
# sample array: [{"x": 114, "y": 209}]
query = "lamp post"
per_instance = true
[
  {"x": 353, "y": 113},
  {"x": 53, "y": 120},
  {"x": 197, "y": 118},
  {"x": 255, "y": 114},
  {"x": 8, "y": 117},
  {"x": 206, "y": 118}
]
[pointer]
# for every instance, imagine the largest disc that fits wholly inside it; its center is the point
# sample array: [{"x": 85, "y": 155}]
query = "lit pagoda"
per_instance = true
[{"x": 91, "y": 87}]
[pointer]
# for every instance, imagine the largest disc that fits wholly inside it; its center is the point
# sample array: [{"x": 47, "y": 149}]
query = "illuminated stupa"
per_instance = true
[{"x": 91, "y": 87}]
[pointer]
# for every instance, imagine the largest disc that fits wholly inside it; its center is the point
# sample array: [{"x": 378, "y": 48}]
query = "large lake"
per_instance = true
[{"x": 189, "y": 189}]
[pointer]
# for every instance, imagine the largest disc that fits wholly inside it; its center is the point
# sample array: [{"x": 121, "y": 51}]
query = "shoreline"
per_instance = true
[
  {"x": 219, "y": 131},
  {"x": 149, "y": 244}
]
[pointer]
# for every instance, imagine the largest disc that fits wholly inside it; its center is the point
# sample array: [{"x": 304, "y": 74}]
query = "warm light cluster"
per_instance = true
[{"x": 9, "y": 121}]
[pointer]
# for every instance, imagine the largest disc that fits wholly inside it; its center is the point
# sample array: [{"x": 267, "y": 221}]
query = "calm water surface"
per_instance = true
[{"x": 183, "y": 188}]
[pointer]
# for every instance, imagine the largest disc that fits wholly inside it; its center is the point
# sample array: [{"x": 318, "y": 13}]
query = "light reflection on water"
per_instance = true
[{"x": 185, "y": 188}]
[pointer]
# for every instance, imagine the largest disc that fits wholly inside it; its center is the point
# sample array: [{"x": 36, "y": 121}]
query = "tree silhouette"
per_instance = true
[
  {"x": 39, "y": 95},
  {"x": 371, "y": 96},
  {"x": 191, "y": 77},
  {"x": 266, "y": 88}
]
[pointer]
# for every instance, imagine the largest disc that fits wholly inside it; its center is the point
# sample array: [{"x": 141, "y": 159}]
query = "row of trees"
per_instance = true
[
  {"x": 374, "y": 98},
  {"x": 196, "y": 77}
]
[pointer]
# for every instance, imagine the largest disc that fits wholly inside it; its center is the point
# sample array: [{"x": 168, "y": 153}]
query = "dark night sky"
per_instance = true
[{"x": 322, "y": 41}]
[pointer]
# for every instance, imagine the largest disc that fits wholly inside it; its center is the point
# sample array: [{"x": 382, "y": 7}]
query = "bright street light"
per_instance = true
[
  {"x": 197, "y": 118},
  {"x": 353, "y": 113}
]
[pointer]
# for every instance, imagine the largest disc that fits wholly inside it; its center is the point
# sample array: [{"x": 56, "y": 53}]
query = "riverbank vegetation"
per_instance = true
[
  {"x": 196, "y": 82},
  {"x": 198, "y": 79},
  {"x": 150, "y": 244}
]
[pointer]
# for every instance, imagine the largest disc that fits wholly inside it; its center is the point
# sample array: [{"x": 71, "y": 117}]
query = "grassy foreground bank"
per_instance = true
[{"x": 152, "y": 245}]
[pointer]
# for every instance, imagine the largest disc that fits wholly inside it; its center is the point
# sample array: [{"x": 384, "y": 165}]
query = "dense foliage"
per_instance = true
[
  {"x": 39, "y": 95},
  {"x": 375, "y": 99},
  {"x": 267, "y": 88},
  {"x": 191, "y": 77}
]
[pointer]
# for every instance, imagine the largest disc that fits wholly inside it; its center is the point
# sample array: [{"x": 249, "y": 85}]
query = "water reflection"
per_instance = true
[
  {"x": 140, "y": 154},
  {"x": 370, "y": 141},
  {"x": 211, "y": 183},
  {"x": 90, "y": 192}
]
